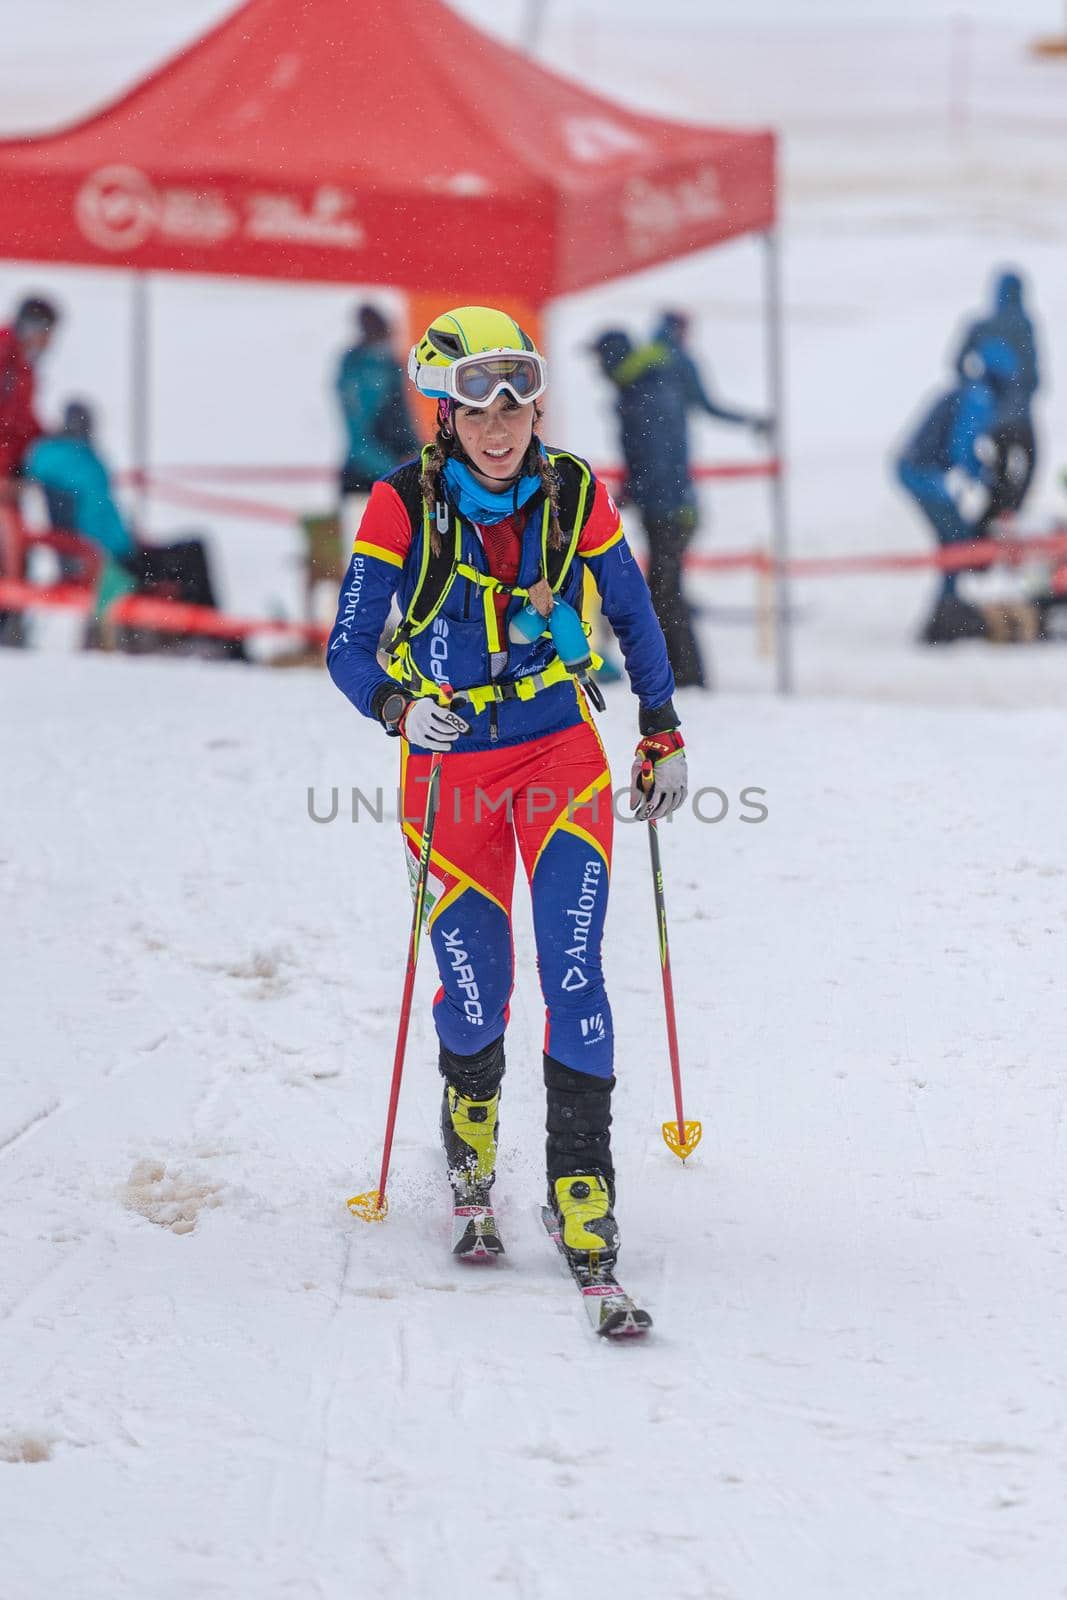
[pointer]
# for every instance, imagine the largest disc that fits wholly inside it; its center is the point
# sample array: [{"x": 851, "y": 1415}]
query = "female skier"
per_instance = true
[{"x": 483, "y": 542}]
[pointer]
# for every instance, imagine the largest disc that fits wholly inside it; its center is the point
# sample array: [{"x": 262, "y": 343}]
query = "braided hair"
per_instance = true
[{"x": 534, "y": 463}]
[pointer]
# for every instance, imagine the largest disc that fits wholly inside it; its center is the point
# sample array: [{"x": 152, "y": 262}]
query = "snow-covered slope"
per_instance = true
[
  {"x": 213, "y": 1381},
  {"x": 216, "y": 1383}
]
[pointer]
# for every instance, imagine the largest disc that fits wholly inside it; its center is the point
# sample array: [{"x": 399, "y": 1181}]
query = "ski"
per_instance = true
[
  {"x": 474, "y": 1234},
  {"x": 612, "y": 1313}
]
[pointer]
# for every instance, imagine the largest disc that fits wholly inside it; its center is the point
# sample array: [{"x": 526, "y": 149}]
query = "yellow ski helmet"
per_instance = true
[{"x": 469, "y": 355}]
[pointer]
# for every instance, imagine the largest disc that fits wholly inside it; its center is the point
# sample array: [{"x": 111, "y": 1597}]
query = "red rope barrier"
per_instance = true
[
  {"x": 171, "y": 616},
  {"x": 723, "y": 471},
  {"x": 221, "y": 504},
  {"x": 1009, "y": 550},
  {"x": 146, "y": 611},
  {"x": 17, "y": 595}
]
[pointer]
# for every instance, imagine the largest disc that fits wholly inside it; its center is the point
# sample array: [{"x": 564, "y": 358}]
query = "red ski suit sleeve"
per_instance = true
[{"x": 19, "y": 426}]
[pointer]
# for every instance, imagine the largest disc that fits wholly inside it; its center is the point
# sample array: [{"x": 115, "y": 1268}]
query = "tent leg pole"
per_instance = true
[
  {"x": 783, "y": 643},
  {"x": 140, "y": 391}
]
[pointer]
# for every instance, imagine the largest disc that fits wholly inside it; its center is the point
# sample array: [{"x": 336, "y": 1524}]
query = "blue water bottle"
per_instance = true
[
  {"x": 526, "y": 625},
  {"x": 569, "y": 638}
]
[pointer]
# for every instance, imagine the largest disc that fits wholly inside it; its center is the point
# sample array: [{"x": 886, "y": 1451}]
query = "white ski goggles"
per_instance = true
[{"x": 477, "y": 380}]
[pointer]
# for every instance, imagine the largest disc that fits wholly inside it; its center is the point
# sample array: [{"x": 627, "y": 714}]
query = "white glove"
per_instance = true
[
  {"x": 985, "y": 450},
  {"x": 970, "y": 494},
  {"x": 670, "y": 776},
  {"x": 431, "y": 726},
  {"x": 1017, "y": 464}
]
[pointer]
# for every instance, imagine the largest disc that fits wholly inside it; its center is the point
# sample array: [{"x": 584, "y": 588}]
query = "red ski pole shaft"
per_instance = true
[
  {"x": 665, "y": 960},
  {"x": 409, "y": 976}
]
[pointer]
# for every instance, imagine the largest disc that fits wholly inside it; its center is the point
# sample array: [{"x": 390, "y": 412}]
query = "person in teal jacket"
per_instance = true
[
  {"x": 78, "y": 491},
  {"x": 77, "y": 484},
  {"x": 370, "y": 387}
]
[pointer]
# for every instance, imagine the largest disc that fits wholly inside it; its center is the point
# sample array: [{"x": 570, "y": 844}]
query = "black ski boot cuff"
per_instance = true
[
  {"x": 476, "y": 1077},
  {"x": 578, "y": 1125}
]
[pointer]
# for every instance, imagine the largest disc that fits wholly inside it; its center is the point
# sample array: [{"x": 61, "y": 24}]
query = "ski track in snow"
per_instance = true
[{"x": 857, "y": 1281}]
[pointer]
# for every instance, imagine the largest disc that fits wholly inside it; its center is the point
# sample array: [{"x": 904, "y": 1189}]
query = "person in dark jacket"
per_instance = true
[
  {"x": 1012, "y": 430},
  {"x": 673, "y": 331},
  {"x": 948, "y": 467},
  {"x": 651, "y": 406}
]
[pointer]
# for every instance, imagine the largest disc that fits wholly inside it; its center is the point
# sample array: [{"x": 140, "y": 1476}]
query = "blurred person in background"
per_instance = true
[
  {"x": 1012, "y": 430},
  {"x": 22, "y": 344},
  {"x": 381, "y": 434},
  {"x": 651, "y": 405},
  {"x": 672, "y": 331},
  {"x": 948, "y": 467},
  {"x": 78, "y": 492},
  {"x": 77, "y": 485}
]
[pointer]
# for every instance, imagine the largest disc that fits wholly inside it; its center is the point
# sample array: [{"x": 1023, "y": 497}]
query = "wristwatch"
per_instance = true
[{"x": 393, "y": 707}]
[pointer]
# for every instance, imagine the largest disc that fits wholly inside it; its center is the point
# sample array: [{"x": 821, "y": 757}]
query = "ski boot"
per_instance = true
[
  {"x": 588, "y": 1231},
  {"x": 581, "y": 1178},
  {"x": 470, "y": 1114},
  {"x": 468, "y": 1130}
]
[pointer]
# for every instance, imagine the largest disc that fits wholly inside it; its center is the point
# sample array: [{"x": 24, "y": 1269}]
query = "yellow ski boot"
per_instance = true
[
  {"x": 588, "y": 1230},
  {"x": 468, "y": 1128}
]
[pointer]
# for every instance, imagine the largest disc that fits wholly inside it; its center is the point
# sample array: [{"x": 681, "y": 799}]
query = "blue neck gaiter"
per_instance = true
[{"x": 479, "y": 504}]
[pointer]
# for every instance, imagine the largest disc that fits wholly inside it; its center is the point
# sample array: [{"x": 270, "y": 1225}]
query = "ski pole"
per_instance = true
[
  {"x": 373, "y": 1206},
  {"x": 682, "y": 1137}
]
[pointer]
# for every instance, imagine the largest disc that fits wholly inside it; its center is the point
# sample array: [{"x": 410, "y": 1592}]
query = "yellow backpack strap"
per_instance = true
[
  {"x": 402, "y": 667},
  {"x": 573, "y": 501},
  {"x": 437, "y": 572},
  {"x": 490, "y": 591},
  {"x": 490, "y": 587}
]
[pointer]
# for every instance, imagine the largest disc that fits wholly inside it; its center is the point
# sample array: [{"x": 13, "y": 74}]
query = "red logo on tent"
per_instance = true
[
  {"x": 601, "y": 138},
  {"x": 658, "y": 216},
  {"x": 117, "y": 208}
]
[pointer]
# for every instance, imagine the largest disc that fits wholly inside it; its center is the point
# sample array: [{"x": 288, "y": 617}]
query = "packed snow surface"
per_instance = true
[
  {"x": 214, "y": 1382},
  {"x": 217, "y": 1382}
]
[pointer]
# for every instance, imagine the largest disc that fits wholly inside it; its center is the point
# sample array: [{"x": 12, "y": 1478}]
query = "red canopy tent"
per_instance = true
[{"x": 351, "y": 141}]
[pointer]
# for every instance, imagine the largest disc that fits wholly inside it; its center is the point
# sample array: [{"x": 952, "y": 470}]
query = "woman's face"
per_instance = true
[{"x": 496, "y": 437}]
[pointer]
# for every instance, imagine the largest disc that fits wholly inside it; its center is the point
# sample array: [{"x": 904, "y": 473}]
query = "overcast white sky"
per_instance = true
[
  {"x": 1045, "y": 14},
  {"x": 62, "y": 58}
]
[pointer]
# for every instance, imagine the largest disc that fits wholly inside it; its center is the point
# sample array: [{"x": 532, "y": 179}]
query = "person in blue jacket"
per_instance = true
[
  {"x": 652, "y": 403},
  {"x": 484, "y": 542},
  {"x": 948, "y": 467},
  {"x": 673, "y": 331},
  {"x": 1012, "y": 430}
]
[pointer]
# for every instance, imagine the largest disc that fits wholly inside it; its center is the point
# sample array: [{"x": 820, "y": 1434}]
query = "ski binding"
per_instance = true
[
  {"x": 612, "y": 1313},
  {"x": 474, "y": 1234}
]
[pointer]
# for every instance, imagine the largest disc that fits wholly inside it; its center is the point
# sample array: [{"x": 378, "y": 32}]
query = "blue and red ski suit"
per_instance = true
[{"x": 531, "y": 773}]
